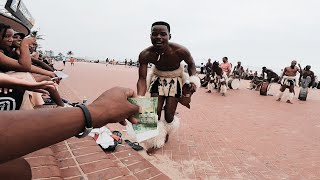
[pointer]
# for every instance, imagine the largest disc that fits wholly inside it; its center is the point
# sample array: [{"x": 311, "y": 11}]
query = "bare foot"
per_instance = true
[
  {"x": 151, "y": 151},
  {"x": 278, "y": 99},
  {"x": 288, "y": 101},
  {"x": 167, "y": 138}
]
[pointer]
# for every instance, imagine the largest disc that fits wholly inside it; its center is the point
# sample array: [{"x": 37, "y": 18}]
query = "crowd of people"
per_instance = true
[
  {"x": 222, "y": 75},
  {"x": 18, "y": 55}
]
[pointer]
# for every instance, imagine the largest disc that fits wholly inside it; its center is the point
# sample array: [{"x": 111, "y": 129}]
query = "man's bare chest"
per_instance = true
[
  {"x": 291, "y": 72},
  {"x": 166, "y": 62}
]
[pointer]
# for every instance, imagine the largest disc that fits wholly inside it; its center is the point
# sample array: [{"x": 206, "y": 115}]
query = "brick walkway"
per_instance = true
[
  {"x": 241, "y": 136},
  {"x": 80, "y": 159}
]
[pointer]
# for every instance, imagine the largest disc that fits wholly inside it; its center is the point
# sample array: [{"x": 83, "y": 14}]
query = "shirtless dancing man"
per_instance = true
[
  {"x": 165, "y": 80},
  {"x": 288, "y": 81}
]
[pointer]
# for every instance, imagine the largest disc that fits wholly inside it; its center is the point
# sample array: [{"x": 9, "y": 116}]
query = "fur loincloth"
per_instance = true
[{"x": 166, "y": 83}]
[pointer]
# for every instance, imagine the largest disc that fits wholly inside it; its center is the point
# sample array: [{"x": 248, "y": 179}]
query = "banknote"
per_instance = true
[{"x": 147, "y": 119}]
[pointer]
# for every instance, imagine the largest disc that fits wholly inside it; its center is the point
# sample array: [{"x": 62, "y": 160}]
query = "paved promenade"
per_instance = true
[{"x": 240, "y": 136}]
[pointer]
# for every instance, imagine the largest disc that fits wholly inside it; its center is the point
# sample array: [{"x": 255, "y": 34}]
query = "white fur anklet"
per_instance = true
[
  {"x": 158, "y": 141},
  {"x": 290, "y": 96},
  {"x": 210, "y": 86},
  {"x": 279, "y": 95},
  {"x": 173, "y": 126},
  {"x": 223, "y": 89}
]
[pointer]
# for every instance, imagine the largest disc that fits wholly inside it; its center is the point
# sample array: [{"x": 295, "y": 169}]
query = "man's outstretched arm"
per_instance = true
[
  {"x": 22, "y": 132},
  {"x": 143, "y": 68}
]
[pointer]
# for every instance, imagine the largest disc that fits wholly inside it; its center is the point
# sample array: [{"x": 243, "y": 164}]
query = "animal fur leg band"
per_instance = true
[
  {"x": 173, "y": 126},
  {"x": 223, "y": 89},
  {"x": 280, "y": 94},
  {"x": 159, "y": 140},
  {"x": 290, "y": 96},
  {"x": 210, "y": 86}
]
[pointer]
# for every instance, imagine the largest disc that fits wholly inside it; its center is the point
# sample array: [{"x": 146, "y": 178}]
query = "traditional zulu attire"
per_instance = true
[
  {"x": 219, "y": 80},
  {"x": 168, "y": 84},
  {"x": 288, "y": 81},
  {"x": 211, "y": 82}
]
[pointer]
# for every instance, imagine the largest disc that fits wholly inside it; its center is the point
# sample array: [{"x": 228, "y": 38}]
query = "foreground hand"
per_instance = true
[
  {"x": 18, "y": 82},
  {"x": 113, "y": 107},
  {"x": 38, "y": 86}
]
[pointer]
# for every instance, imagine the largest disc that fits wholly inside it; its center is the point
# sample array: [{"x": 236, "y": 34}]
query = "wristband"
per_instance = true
[{"x": 87, "y": 121}]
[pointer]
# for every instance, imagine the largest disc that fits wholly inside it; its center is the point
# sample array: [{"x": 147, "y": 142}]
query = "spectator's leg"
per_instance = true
[{"x": 16, "y": 169}]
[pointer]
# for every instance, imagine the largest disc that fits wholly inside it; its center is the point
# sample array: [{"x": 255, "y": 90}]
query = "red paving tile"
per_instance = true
[
  {"x": 98, "y": 165},
  {"x": 142, "y": 165},
  {"x": 106, "y": 174},
  {"x": 66, "y": 163},
  {"x": 45, "y": 172},
  {"x": 70, "y": 172},
  {"x": 147, "y": 173},
  {"x": 240, "y": 136},
  {"x": 95, "y": 157}
]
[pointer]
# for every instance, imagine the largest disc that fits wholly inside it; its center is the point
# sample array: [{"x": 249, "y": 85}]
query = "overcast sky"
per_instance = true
[{"x": 258, "y": 33}]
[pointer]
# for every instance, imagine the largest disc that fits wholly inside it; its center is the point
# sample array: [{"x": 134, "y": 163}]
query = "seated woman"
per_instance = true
[
  {"x": 35, "y": 59},
  {"x": 24, "y": 60}
]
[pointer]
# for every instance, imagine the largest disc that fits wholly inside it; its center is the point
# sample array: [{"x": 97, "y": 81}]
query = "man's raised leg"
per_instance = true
[{"x": 172, "y": 122}]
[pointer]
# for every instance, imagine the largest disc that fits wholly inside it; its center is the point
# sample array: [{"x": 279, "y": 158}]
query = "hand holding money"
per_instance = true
[
  {"x": 113, "y": 106},
  {"x": 146, "y": 127}
]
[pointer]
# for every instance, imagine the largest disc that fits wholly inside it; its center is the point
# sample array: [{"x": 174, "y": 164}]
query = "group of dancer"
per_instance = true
[
  {"x": 220, "y": 75},
  {"x": 288, "y": 80},
  {"x": 168, "y": 76}
]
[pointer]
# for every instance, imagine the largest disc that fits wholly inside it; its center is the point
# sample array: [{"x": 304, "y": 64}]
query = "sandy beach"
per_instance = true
[{"x": 243, "y": 135}]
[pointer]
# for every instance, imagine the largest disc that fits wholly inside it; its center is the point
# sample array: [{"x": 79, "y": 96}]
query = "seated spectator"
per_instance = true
[
  {"x": 35, "y": 57},
  {"x": 7, "y": 63},
  {"x": 238, "y": 70}
]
